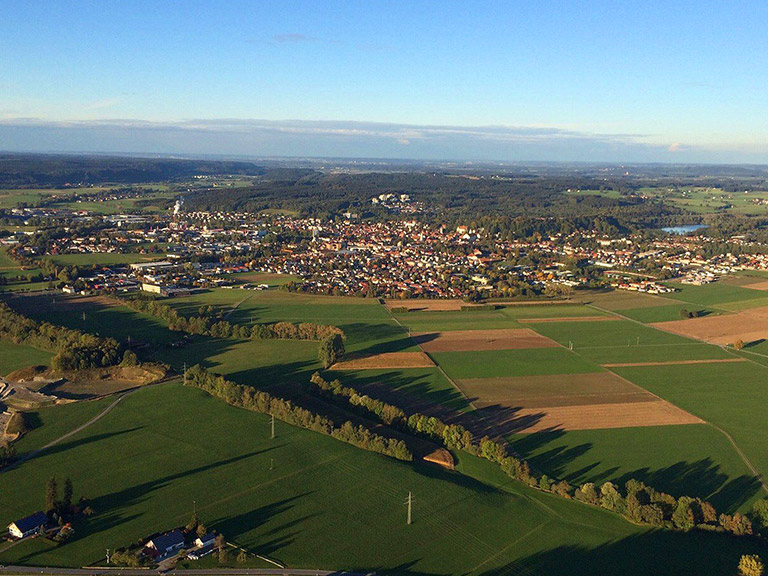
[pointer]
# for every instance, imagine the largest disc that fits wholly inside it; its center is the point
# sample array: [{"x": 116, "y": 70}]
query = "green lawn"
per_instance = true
[
  {"x": 310, "y": 501},
  {"x": 14, "y": 356},
  {"x": 498, "y": 363},
  {"x": 692, "y": 460},
  {"x": 731, "y": 396}
]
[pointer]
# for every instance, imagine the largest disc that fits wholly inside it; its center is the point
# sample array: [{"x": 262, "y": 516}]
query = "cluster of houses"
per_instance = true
[
  {"x": 158, "y": 548},
  {"x": 391, "y": 257}
]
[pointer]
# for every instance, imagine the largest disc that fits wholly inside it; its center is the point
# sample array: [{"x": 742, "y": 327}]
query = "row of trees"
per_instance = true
[
  {"x": 639, "y": 503},
  {"x": 211, "y": 324},
  {"x": 260, "y": 401},
  {"x": 75, "y": 349}
]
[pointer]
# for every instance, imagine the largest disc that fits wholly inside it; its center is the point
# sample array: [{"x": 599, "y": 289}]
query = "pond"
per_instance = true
[{"x": 684, "y": 229}]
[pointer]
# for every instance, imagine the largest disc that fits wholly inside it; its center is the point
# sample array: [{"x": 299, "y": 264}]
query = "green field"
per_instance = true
[
  {"x": 713, "y": 294},
  {"x": 692, "y": 460},
  {"x": 415, "y": 388},
  {"x": 102, "y": 258},
  {"x": 96, "y": 317},
  {"x": 310, "y": 501},
  {"x": 441, "y": 321},
  {"x": 498, "y": 363},
  {"x": 731, "y": 396},
  {"x": 368, "y": 326},
  {"x": 670, "y": 313},
  {"x": 14, "y": 356},
  {"x": 622, "y": 341}
]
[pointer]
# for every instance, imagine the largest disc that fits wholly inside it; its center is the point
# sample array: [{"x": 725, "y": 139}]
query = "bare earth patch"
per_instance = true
[
  {"x": 473, "y": 340},
  {"x": 568, "y": 319},
  {"x": 673, "y": 363},
  {"x": 386, "y": 361},
  {"x": 433, "y": 305},
  {"x": 571, "y": 402},
  {"x": 601, "y": 416},
  {"x": 554, "y": 390},
  {"x": 747, "y": 325},
  {"x": 761, "y": 285}
]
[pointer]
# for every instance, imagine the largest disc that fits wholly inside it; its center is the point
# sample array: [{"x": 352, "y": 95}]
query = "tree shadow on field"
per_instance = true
[
  {"x": 703, "y": 478},
  {"x": 109, "y": 505},
  {"x": 657, "y": 552},
  {"x": 233, "y": 526},
  {"x": 64, "y": 446}
]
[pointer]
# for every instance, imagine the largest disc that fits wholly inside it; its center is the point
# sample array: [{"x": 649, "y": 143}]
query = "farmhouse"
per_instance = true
[
  {"x": 204, "y": 546},
  {"x": 29, "y": 525},
  {"x": 166, "y": 543}
]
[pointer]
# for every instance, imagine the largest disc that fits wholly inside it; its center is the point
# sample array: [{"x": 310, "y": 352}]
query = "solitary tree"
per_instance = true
[
  {"x": 66, "y": 501},
  {"x": 51, "y": 494},
  {"x": 739, "y": 344}
]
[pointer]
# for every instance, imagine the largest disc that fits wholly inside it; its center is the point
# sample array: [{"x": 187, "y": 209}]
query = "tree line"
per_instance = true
[
  {"x": 259, "y": 401},
  {"x": 75, "y": 350},
  {"x": 210, "y": 323},
  {"x": 638, "y": 502}
]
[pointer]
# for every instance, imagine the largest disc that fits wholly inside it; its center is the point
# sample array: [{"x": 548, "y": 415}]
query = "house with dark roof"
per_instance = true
[
  {"x": 29, "y": 525},
  {"x": 165, "y": 543}
]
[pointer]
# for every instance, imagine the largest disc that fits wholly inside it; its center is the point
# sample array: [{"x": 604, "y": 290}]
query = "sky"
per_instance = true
[{"x": 498, "y": 81}]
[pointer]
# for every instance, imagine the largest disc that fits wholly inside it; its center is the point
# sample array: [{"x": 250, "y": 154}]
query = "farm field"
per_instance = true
[
  {"x": 714, "y": 294},
  {"x": 384, "y": 361},
  {"x": 15, "y": 356},
  {"x": 271, "y": 280},
  {"x": 284, "y": 496},
  {"x": 473, "y": 340},
  {"x": 501, "y": 363},
  {"x": 103, "y": 258},
  {"x": 692, "y": 460},
  {"x": 367, "y": 325},
  {"x": 649, "y": 315},
  {"x": 97, "y": 315},
  {"x": 748, "y": 326},
  {"x": 729, "y": 395},
  {"x": 625, "y": 341},
  {"x": 423, "y": 390}
]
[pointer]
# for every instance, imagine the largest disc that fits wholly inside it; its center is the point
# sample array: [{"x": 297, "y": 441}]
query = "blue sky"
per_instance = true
[{"x": 617, "y": 81}]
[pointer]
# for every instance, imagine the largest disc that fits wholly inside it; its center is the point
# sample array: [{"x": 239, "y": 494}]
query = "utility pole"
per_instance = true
[
  {"x": 194, "y": 507},
  {"x": 273, "y": 427},
  {"x": 185, "y": 373},
  {"x": 638, "y": 340},
  {"x": 410, "y": 505},
  {"x": 107, "y": 555}
]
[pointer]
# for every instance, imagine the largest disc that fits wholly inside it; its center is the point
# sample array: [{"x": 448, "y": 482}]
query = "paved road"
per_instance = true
[{"x": 25, "y": 570}]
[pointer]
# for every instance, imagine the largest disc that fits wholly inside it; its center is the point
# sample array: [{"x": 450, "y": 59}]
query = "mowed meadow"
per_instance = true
[{"x": 583, "y": 390}]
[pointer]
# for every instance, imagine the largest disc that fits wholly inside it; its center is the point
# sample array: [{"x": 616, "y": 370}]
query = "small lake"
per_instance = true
[{"x": 684, "y": 229}]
